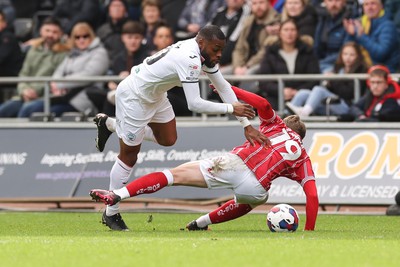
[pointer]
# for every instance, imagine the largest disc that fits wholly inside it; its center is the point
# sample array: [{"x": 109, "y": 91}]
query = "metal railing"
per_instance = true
[{"x": 204, "y": 81}]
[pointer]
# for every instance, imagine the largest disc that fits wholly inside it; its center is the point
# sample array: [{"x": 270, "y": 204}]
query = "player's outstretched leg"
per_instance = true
[
  {"x": 192, "y": 226},
  {"x": 103, "y": 133},
  {"x": 229, "y": 211},
  {"x": 105, "y": 196}
]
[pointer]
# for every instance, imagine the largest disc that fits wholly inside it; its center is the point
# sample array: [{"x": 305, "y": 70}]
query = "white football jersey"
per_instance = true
[{"x": 170, "y": 67}]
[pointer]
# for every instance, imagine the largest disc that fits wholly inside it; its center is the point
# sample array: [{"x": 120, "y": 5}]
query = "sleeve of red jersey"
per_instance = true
[
  {"x": 311, "y": 204},
  {"x": 262, "y": 105}
]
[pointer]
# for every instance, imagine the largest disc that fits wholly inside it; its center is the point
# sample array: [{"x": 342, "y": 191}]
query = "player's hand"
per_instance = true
[
  {"x": 243, "y": 110},
  {"x": 253, "y": 135}
]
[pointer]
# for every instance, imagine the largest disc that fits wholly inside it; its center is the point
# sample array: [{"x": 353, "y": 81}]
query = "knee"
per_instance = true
[
  {"x": 252, "y": 200},
  {"x": 169, "y": 141},
  {"x": 128, "y": 158},
  {"x": 318, "y": 88}
]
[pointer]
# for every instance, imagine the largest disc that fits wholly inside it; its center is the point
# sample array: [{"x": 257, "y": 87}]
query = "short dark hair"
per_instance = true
[
  {"x": 211, "y": 32},
  {"x": 52, "y": 21},
  {"x": 294, "y": 122},
  {"x": 132, "y": 27}
]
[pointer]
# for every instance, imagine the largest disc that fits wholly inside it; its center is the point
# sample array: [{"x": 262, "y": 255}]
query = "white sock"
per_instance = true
[
  {"x": 119, "y": 176},
  {"x": 307, "y": 110},
  {"x": 203, "y": 221},
  {"x": 149, "y": 135},
  {"x": 122, "y": 192},
  {"x": 111, "y": 124},
  {"x": 170, "y": 177}
]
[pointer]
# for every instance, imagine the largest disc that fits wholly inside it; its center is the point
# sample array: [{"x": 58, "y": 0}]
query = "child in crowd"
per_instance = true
[
  {"x": 341, "y": 92},
  {"x": 382, "y": 100}
]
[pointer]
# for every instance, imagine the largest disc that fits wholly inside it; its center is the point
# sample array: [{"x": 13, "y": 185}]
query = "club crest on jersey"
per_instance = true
[{"x": 193, "y": 72}]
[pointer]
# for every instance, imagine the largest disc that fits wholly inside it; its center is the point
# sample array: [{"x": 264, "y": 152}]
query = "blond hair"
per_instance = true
[
  {"x": 294, "y": 122},
  {"x": 81, "y": 27}
]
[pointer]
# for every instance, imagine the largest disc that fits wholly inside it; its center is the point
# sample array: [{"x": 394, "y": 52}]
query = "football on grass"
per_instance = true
[{"x": 282, "y": 218}]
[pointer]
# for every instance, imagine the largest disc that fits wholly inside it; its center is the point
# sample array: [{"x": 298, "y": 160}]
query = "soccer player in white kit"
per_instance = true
[
  {"x": 143, "y": 111},
  {"x": 247, "y": 170}
]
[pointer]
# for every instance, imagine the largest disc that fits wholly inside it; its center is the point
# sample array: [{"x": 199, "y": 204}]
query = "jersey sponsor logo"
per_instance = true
[{"x": 193, "y": 72}]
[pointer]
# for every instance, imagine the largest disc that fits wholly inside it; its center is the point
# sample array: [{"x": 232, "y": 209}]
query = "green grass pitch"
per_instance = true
[{"x": 79, "y": 239}]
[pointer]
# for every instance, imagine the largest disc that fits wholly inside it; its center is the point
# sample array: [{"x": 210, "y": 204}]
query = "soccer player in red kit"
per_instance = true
[{"x": 247, "y": 170}]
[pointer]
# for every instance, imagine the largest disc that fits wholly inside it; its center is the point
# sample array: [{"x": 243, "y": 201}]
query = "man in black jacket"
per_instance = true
[{"x": 10, "y": 53}]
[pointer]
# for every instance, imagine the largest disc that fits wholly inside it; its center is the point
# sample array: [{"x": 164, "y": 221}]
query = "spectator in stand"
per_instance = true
[
  {"x": 195, "y": 15},
  {"x": 249, "y": 49},
  {"x": 88, "y": 57},
  {"x": 392, "y": 8},
  {"x": 11, "y": 57},
  {"x": 377, "y": 34},
  {"x": 133, "y": 53},
  {"x": 352, "y": 5},
  {"x": 171, "y": 10},
  {"x": 381, "y": 101},
  {"x": 45, "y": 54},
  {"x": 151, "y": 17},
  {"x": 291, "y": 54},
  {"x": 230, "y": 19},
  {"x": 110, "y": 32},
  {"x": 303, "y": 14},
  {"x": 340, "y": 92},
  {"x": 330, "y": 34},
  {"x": 70, "y": 12},
  {"x": 163, "y": 37},
  {"x": 9, "y": 14},
  {"x": 10, "y": 52}
]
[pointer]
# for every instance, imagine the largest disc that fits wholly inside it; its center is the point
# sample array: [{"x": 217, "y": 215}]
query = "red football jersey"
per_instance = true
[{"x": 285, "y": 157}]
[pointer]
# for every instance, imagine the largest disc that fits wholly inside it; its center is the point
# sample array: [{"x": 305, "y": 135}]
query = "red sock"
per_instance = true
[
  {"x": 147, "y": 184},
  {"x": 229, "y": 211}
]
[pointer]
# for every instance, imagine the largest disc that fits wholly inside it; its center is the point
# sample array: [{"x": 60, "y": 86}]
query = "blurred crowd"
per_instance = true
[{"x": 76, "y": 38}]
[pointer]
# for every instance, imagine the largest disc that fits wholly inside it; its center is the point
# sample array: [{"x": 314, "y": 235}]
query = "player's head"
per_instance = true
[
  {"x": 294, "y": 122},
  {"x": 211, "y": 41}
]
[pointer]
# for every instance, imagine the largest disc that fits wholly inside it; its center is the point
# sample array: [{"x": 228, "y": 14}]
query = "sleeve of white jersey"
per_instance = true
[
  {"x": 188, "y": 68},
  {"x": 224, "y": 89},
  {"x": 199, "y": 105}
]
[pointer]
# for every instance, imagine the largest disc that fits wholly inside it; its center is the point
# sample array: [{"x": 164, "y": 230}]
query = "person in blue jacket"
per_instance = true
[{"x": 377, "y": 34}]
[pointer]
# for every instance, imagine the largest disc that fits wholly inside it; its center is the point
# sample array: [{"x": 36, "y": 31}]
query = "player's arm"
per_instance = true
[
  {"x": 224, "y": 90},
  {"x": 262, "y": 105},
  {"x": 312, "y": 204},
  {"x": 199, "y": 105}
]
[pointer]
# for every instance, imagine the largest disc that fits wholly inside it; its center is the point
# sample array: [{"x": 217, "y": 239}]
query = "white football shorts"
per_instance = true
[
  {"x": 133, "y": 115},
  {"x": 228, "y": 171}
]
